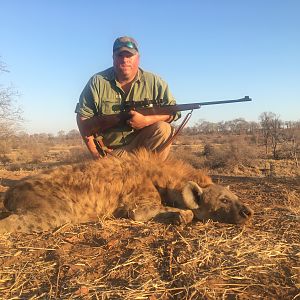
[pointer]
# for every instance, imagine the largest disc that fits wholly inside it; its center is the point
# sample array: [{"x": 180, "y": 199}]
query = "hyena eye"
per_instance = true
[{"x": 224, "y": 200}]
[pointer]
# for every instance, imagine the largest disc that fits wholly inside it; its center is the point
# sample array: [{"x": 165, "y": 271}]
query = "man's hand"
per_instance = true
[
  {"x": 89, "y": 140},
  {"x": 137, "y": 120}
]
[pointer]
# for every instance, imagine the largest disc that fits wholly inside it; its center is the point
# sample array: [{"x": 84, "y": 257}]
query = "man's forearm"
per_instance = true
[{"x": 89, "y": 140}]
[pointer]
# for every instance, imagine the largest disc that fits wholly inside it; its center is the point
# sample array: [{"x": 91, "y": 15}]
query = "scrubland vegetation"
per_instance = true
[{"x": 265, "y": 147}]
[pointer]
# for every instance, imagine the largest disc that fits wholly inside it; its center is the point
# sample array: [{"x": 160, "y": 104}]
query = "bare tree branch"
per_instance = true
[{"x": 10, "y": 112}]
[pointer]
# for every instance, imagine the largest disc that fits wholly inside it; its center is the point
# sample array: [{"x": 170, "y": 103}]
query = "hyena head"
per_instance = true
[{"x": 215, "y": 202}]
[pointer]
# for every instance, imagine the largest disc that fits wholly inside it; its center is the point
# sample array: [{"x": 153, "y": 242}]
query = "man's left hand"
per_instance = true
[{"x": 137, "y": 120}]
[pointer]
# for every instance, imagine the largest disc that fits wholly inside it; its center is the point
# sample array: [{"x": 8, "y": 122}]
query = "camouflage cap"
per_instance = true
[{"x": 125, "y": 43}]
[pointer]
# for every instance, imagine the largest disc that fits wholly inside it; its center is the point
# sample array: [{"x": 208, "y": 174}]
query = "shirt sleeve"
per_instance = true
[
  {"x": 166, "y": 96},
  {"x": 88, "y": 103}
]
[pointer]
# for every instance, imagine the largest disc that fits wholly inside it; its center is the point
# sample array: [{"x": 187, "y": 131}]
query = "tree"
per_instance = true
[
  {"x": 10, "y": 113},
  {"x": 271, "y": 130},
  {"x": 291, "y": 138},
  {"x": 73, "y": 134},
  {"x": 61, "y": 134},
  {"x": 276, "y": 134},
  {"x": 206, "y": 127},
  {"x": 253, "y": 127},
  {"x": 264, "y": 119},
  {"x": 239, "y": 126}
]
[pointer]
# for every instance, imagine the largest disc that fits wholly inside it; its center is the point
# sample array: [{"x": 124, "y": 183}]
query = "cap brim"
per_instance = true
[{"x": 133, "y": 51}]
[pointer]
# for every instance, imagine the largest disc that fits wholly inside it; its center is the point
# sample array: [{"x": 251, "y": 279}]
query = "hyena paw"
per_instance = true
[
  {"x": 181, "y": 217},
  {"x": 186, "y": 216}
]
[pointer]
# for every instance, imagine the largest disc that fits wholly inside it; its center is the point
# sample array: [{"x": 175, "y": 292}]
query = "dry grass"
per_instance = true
[{"x": 121, "y": 259}]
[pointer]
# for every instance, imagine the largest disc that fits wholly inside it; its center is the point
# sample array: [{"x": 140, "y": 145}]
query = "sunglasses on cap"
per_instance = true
[{"x": 119, "y": 44}]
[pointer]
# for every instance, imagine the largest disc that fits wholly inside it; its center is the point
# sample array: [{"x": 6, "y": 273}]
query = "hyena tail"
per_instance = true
[{"x": 27, "y": 223}]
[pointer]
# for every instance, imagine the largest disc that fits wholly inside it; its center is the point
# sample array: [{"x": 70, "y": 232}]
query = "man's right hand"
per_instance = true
[{"x": 89, "y": 140}]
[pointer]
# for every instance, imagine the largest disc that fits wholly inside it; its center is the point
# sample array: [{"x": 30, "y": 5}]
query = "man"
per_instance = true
[{"x": 108, "y": 91}]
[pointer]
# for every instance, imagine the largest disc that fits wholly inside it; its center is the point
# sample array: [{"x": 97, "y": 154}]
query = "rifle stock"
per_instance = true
[
  {"x": 101, "y": 123},
  {"x": 95, "y": 124}
]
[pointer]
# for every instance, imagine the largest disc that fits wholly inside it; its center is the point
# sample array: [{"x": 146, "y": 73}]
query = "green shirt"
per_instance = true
[{"x": 103, "y": 95}]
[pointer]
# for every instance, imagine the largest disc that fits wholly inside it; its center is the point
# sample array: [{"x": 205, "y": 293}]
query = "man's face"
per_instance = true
[{"x": 126, "y": 65}]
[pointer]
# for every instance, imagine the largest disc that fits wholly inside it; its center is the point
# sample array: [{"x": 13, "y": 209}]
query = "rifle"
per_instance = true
[{"x": 101, "y": 123}]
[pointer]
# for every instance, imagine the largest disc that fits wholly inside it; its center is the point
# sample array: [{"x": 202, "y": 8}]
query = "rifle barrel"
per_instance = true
[
  {"x": 169, "y": 109},
  {"x": 246, "y": 98}
]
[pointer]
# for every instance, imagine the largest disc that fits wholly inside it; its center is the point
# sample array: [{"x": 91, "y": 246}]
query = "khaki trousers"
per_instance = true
[{"x": 152, "y": 137}]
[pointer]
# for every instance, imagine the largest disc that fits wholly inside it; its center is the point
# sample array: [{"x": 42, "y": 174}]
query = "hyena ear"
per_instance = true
[
  {"x": 191, "y": 195},
  {"x": 228, "y": 187}
]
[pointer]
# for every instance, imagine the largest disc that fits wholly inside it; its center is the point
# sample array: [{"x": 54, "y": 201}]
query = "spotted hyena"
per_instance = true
[{"x": 140, "y": 187}]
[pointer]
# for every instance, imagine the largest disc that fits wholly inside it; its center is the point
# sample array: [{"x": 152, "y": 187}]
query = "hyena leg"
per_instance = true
[
  {"x": 172, "y": 215},
  {"x": 30, "y": 222},
  {"x": 149, "y": 207},
  {"x": 162, "y": 214}
]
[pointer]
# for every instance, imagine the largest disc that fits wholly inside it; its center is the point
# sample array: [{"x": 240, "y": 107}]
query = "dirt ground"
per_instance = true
[{"x": 122, "y": 259}]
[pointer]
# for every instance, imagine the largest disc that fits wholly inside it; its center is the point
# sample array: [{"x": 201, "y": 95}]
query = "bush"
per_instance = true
[
  {"x": 76, "y": 154},
  {"x": 5, "y": 147},
  {"x": 208, "y": 150},
  {"x": 184, "y": 153},
  {"x": 33, "y": 153},
  {"x": 228, "y": 156},
  {"x": 4, "y": 159}
]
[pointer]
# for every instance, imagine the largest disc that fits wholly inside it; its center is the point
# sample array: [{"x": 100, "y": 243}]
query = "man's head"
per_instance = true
[
  {"x": 125, "y": 43},
  {"x": 125, "y": 58}
]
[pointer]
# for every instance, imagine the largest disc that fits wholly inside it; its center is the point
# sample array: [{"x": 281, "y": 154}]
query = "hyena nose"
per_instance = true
[{"x": 246, "y": 212}]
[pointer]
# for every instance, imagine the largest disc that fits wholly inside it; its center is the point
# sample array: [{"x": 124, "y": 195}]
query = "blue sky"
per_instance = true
[{"x": 206, "y": 50}]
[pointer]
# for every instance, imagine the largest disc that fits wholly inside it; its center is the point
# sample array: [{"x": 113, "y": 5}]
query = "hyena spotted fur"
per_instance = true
[{"x": 141, "y": 187}]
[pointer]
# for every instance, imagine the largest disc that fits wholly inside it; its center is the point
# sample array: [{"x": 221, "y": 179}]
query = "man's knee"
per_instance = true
[
  {"x": 161, "y": 128},
  {"x": 152, "y": 137}
]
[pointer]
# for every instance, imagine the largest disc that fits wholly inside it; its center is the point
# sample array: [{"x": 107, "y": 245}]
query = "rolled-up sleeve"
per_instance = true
[{"x": 88, "y": 103}]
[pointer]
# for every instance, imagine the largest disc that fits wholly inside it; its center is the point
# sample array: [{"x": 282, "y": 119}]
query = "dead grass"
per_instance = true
[{"x": 122, "y": 259}]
